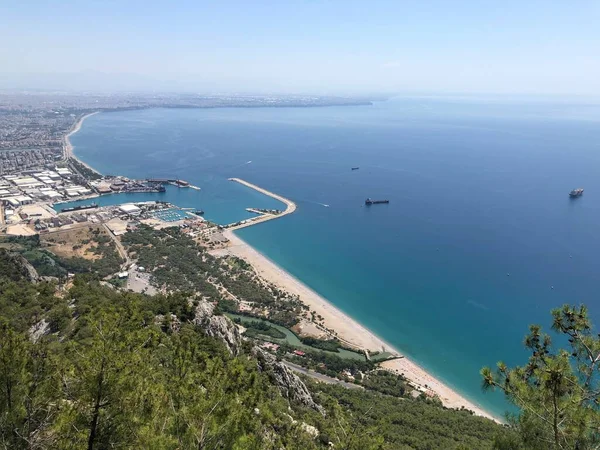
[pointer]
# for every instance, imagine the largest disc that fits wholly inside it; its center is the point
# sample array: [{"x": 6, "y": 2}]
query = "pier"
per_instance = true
[
  {"x": 174, "y": 182},
  {"x": 290, "y": 207}
]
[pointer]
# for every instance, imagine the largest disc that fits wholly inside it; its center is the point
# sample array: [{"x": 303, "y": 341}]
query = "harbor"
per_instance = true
[
  {"x": 172, "y": 181},
  {"x": 196, "y": 202},
  {"x": 112, "y": 184},
  {"x": 264, "y": 216}
]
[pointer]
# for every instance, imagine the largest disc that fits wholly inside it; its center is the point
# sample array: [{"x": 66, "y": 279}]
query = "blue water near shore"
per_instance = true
[{"x": 478, "y": 190}]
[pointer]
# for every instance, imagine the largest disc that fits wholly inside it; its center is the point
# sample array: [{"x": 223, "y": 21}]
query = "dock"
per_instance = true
[
  {"x": 173, "y": 181},
  {"x": 290, "y": 207}
]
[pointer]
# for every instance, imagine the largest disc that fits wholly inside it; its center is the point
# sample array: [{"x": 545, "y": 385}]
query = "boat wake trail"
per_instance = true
[
  {"x": 237, "y": 166},
  {"x": 312, "y": 202}
]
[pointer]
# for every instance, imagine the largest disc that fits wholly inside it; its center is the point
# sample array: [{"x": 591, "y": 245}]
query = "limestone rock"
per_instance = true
[
  {"x": 220, "y": 327},
  {"x": 288, "y": 382},
  {"x": 309, "y": 429},
  {"x": 20, "y": 265},
  {"x": 171, "y": 322},
  {"x": 38, "y": 330},
  {"x": 32, "y": 274}
]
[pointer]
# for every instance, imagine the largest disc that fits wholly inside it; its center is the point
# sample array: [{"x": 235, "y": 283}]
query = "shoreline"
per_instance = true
[
  {"x": 68, "y": 149},
  {"x": 348, "y": 329}
]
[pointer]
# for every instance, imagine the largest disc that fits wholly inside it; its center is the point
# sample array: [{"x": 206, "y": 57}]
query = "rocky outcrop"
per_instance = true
[
  {"x": 309, "y": 429},
  {"x": 171, "y": 323},
  {"x": 223, "y": 328},
  {"x": 17, "y": 267},
  {"x": 220, "y": 327},
  {"x": 32, "y": 274},
  {"x": 38, "y": 330},
  {"x": 290, "y": 385}
]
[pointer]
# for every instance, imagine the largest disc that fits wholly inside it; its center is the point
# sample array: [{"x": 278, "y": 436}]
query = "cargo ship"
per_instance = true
[
  {"x": 79, "y": 208},
  {"x": 145, "y": 189},
  {"x": 576, "y": 193},
  {"x": 370, "y": 201}
]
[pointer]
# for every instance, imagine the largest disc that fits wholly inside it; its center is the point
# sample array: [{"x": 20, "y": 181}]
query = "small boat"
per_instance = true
[
  {"x": 355, "y": 168},
  {"x": 576, "y": 193}
]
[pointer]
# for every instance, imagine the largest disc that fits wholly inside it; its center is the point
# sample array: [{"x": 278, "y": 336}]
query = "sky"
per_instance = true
[{"x": 311, "y": 46}]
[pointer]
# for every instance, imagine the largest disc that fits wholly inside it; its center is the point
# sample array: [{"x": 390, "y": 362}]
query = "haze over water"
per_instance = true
[{"x": 452, "y": 271}]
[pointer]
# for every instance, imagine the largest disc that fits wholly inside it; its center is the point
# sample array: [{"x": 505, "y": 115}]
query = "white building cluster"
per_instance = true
[{"x": 48, "y": 185}]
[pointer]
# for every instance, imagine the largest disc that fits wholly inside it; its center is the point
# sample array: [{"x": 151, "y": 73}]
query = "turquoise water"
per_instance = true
[{"x": 478, "y": 190}]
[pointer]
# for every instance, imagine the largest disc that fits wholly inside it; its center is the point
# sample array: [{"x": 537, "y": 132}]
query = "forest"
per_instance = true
[{"x": 85, "y": 365}]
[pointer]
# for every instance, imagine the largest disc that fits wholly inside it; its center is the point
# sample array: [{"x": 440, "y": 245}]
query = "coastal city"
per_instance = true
[
  {"x": 38, "y": 171},
  {"x": 46, "y": 191},
  {"x": 306, "y": 225}
]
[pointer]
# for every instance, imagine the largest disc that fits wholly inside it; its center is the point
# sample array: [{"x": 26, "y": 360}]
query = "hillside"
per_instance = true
[{"x": 85, "y": 364}]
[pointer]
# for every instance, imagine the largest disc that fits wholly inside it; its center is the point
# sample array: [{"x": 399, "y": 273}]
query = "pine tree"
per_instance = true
[{"x": 557, "y": 391}]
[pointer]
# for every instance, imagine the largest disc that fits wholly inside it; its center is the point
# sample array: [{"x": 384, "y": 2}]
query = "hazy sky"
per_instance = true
[{"x": 321, "y": 46}]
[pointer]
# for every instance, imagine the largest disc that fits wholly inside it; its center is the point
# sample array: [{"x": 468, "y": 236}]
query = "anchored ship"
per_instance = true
[
  {"x": 576, "y": 193},
  {"x": 370, "y": 201},
  {"x": 79, "y": 208}
]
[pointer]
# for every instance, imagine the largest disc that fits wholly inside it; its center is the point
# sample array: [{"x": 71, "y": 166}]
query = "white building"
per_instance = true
[
  {"x": 17, "y": 200},
  {"x": 63, "y": 171},
  {"x": 130, "y": 208}
]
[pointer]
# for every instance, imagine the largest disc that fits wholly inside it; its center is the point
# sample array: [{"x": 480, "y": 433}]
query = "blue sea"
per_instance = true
[{"x": 479, "y": 240}]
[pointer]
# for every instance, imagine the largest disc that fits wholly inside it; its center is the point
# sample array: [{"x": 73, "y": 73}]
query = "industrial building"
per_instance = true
[{"x": 131, "y": 209}]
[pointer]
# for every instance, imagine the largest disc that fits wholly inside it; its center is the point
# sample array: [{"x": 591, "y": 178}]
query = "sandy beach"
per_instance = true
[
  {"x": 348, "y": 329},
  {"x": 68, "y": 147}
]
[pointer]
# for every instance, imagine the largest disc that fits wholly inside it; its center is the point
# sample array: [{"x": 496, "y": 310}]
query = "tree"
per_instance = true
[
  {"x": 107, "y": 382},
  {"x": 13, "y": 381},
  {"x": 211, "y": 398},
  {"x": 557, "y": 391},
  {"x": 27, "y": 392}
]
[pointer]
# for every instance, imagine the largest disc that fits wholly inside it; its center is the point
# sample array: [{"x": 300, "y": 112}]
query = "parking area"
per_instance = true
[{"x": 140, "y": 282}]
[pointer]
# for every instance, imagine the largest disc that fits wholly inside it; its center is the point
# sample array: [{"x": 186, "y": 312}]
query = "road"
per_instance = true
[
  {"x": 318, "y": 376},
  {"x": 120, "y": 247}
]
